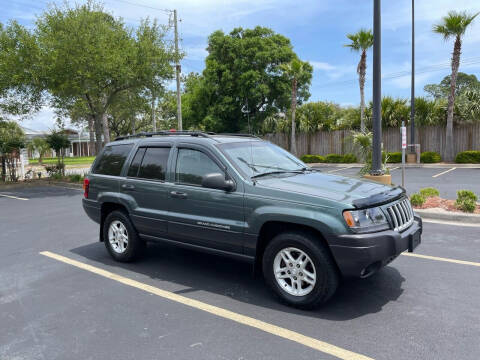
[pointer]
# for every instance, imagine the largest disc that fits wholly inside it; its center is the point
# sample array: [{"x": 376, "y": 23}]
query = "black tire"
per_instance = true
[
  {"x": 135, "y": 245},
  {"x": 327, "y": 276}
]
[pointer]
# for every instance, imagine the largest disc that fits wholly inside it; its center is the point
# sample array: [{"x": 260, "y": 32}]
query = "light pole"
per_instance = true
[
  {"x": 377, "y": 93},
  {"x": 412, "y": 99}
]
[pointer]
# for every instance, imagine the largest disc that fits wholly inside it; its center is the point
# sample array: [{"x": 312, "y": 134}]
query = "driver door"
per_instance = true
[{"x": 206, "y": 217}]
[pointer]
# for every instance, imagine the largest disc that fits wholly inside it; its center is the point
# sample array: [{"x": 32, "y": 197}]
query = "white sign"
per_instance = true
[
  {"x": 403, "y": 129},
  {"x": 24, "y": 156}
]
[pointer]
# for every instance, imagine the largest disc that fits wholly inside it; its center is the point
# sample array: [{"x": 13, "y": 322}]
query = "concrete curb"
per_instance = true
[
  {"x": 441, "y": 214},
  {"x": 392, "y": 165}
]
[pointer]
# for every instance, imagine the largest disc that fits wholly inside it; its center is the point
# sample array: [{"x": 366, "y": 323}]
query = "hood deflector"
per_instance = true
[{"x": 380, "y": 198}]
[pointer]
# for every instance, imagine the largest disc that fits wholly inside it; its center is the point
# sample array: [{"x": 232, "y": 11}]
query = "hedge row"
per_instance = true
[
  {"x": 330, "y": 158},
  {"x": 468, "y": 157}
]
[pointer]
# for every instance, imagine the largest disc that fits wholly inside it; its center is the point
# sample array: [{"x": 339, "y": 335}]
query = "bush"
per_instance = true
[
  {"x": 349, "y": 158},
  {"x": 429, "y": 192},
  {"x": 430, "y": 157},
  {"x": 468, "y": 157},
  {"x": 417, "y": 200},
  {"x": 334, "y": 158},
  {"x": 312, "y": 158},
  {"x": 394, "y": 157},
  {"x": 467, "y": 205},
  {"x": 75, "y": 178},
  {"x": 54, "y": 169},
  {"x": 466, "y": 200},
  {"x": 56, "y": 176}
]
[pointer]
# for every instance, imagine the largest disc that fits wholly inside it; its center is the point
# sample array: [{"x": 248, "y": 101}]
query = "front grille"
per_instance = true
[{"x": 401, "y": 214}]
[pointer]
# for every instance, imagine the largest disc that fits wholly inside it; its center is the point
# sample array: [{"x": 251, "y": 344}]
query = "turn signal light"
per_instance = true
[{"x": 348, "y": 218}]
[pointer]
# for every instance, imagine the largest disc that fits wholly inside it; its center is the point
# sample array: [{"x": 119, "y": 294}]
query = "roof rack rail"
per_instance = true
[
  {"x": 239, "y": 134},
  {"x": 166, "y": 133}
]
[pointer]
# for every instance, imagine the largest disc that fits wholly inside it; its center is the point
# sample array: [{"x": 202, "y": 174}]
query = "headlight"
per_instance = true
[{"x": 366, "y": 220}]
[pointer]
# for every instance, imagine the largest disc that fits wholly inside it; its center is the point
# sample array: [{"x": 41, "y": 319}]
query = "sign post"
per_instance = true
[{"x": 403, "y": 131}]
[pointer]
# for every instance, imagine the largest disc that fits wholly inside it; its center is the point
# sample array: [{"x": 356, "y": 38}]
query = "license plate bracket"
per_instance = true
[{"x": 414, "y": 240}]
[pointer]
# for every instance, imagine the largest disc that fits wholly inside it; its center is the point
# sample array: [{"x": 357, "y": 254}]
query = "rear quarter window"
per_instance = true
[{"x": 112, "y": 159}]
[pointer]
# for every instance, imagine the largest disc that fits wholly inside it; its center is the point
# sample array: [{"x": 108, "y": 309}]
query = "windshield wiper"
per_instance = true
[{"x": 277, "y": 172}]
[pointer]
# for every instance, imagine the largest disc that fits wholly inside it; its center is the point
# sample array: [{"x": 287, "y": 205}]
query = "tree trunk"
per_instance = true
[
  {"x": 98, "y": 133},
  {"x": 91, "y": 130},
  {"x": 448, "y": 152},
  {"x": 106, "y": 130},
  {"x": 293, "y": 143},
  {"x": 361, "y": 70}
]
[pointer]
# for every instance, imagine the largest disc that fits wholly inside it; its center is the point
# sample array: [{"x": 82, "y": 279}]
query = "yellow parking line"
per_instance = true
[
  {"x": 215, "y": 310},
  {"x": 444, "y": 172},
  {"x": 471, "y": 263},
  {"x": 13, "y": 197}
]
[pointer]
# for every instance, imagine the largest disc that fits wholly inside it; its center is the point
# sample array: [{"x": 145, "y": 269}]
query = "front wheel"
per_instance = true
[
  {"x": 299, "y": 270},
  {"x": 121, "y": 238}
]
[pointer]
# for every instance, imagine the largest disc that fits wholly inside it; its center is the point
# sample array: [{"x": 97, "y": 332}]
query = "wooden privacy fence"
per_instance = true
[{"x": 430, "y": 138}]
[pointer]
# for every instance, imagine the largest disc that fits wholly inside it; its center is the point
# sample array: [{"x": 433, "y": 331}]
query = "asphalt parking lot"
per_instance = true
[
  {"x": 446, "y": 179},
  {"x": 179, "y": 304}
]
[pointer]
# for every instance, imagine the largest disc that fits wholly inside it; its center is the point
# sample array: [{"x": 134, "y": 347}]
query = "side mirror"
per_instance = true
[{"x": 217, "y": 181}]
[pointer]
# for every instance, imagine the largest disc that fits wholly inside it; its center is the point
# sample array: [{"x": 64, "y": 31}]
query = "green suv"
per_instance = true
[{"x": 240, "y": 196}]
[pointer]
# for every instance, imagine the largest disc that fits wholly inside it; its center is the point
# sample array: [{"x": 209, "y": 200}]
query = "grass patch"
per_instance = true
[{"x": 82, "y": 160}]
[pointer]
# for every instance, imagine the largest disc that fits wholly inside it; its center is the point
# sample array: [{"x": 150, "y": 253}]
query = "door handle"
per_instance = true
[
  {"x": 128, "y": 187},
  {"x": 178, "y": 195}
]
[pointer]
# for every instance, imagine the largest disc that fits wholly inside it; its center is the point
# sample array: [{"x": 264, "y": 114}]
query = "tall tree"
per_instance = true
[
  {"x": 361, "y": 42},
  {"x": 86, "y": 53},
  {"x": 243, "y": 80},
  {"x": 297, "y": 72},
  {"x": 453, "y": 25}
]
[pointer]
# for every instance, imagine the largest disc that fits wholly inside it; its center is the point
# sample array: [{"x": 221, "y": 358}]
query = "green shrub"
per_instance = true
[
  {"x": 467, "y": 205},
  {"x": 75, "y": 178},
  {"x": 56, "y": 176},
  {"x": 417, "y": 200},
  {"x": 394, "y": 157},
  {"x": 334, "y": 158},
  {"x": 349, "y": 158},
  {"x": 468, "y": 157},
  {"x": 430, "y": 157},
  {"x": 466, "y": 195},
  {"x": 312, "y": 158},
  {"x": 466, "y": 200},
  {"x": 429, "y": 192}
]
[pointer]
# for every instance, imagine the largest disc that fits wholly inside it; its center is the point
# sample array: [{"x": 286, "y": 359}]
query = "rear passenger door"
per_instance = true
[
  {"x": 145, "y": 185},
  {"x": 207, "y": 217}
]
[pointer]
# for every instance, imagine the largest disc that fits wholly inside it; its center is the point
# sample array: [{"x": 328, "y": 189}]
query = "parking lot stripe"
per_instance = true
[
  {"x": 395, "y": 168},
  {"x": 215, "y": 310},
  {"x": 444, "y": 172},
  {"x": 13, "y": 197},
  {"x": 345, "y": 168},
  {"x": 471, "y": 263}
]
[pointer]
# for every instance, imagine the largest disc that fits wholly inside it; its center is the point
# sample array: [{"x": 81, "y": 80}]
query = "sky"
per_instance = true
[{"x": 317, "y": 30}]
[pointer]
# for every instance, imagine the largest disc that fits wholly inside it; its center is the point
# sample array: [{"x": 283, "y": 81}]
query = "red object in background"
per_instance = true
[
  {"x": 86, "y": 187},
  {"x": 173, "y": 130}
]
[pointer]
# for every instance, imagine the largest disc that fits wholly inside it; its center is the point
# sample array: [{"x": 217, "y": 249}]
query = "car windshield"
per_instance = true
[{"x": 254, "y": 158}]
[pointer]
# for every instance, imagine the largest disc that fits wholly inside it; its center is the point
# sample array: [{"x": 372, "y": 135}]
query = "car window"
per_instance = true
[
  {"x": 193, "y": 165},
  {"x": 112, "y": 159},
  {"x": 135, "y": 165},
  {"x": 154, "y": 163}
]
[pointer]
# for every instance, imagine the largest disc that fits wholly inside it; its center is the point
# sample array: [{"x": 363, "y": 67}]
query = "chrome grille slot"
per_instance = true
[{"x": 401, "y": 214}]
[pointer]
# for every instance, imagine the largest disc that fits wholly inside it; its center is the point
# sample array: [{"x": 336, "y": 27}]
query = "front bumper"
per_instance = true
[{"x": 361, "y": 255}]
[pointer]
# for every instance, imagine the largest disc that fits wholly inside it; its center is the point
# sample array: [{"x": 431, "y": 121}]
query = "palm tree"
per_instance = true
[
  {"x": 361, "y": 41},
  {"x": 298, "y": 72},
  {"x": 453, "y": 25}
]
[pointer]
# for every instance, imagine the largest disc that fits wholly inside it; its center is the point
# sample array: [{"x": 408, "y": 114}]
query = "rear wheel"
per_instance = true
[
  {"x": 121, "y": 238},
  {"x": 299, "y": 270}
]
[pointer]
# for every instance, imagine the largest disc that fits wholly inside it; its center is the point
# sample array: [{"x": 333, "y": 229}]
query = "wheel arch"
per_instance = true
[{"x": 272, "y": 228}]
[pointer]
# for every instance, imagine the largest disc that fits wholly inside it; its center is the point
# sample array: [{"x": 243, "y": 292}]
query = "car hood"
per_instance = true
[{"x": 356, "y": 192}]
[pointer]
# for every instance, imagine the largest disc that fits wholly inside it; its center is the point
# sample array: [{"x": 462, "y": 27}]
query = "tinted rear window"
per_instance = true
[
  {"x": 112, "y": 159},
  {"x": 135, "y": 165},
  {"x": 154, "y": 163}
]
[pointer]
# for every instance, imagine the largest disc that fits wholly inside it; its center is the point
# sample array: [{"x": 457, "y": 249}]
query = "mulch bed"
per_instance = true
[{"x": 438, "y": 202}]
